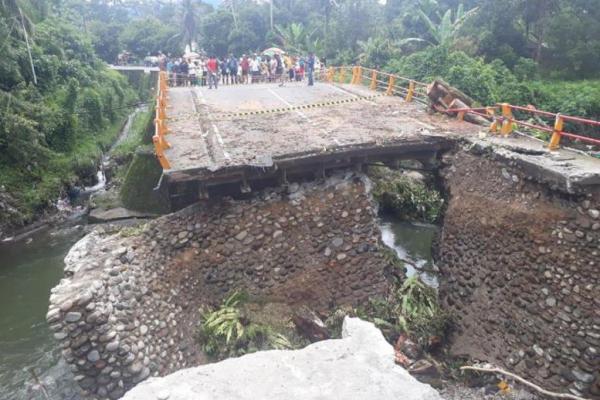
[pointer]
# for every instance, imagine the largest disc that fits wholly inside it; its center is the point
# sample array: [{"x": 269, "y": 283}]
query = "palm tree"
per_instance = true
[
  {"x": 445, "y": 31},
  {"x": 375, "y": 52},
  {"x": 294, "y": 37}
]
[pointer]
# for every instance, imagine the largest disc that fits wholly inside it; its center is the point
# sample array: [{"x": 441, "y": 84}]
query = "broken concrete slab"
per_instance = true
[
  {"x": 358, "y": 366},
  {"x": 116, "y": 214}
]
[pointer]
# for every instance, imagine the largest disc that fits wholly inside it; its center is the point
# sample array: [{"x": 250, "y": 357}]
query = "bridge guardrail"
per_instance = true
[
  {"x": 391, "y": 84},
  {"x": 160, "y": 121},
  {"x": 503, "y": 122},
  {"x": 506, "y": 122}
]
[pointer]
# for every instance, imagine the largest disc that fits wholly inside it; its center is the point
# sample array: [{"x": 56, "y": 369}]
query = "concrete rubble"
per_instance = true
[{"x": 358, "y": 366}]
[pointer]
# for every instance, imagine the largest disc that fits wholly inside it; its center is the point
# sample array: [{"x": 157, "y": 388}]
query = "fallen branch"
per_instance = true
[{"x": 524, "y": 381}]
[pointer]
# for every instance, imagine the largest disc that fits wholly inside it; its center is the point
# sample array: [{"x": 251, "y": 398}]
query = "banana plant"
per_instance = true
[{"x": 448, "y": 27}]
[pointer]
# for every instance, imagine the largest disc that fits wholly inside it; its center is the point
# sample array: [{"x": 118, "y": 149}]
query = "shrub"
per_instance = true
[
  {"x": 412, "y": 308},
  {"x": 226, "y": 332},
  {"x": 407, "y": 198}
]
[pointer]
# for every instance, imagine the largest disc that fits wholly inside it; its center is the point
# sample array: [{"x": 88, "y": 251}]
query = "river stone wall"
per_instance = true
[
  {"x": 519, "y": 267},
  {"x": 128, "y": 306}
]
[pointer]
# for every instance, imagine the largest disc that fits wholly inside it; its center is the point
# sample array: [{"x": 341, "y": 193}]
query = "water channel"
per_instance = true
[
  {"x": 30, "y": 362},
  {"x": 30, "y": 267}
]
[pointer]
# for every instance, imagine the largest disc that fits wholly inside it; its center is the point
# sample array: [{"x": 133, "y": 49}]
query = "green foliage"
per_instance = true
[
  {"x": 411, "y": 308},
  {"x": 149, "y": 36},
  {"x": 445, "y": 28},
  {"x": 53, "y": 132},
  {"x": 407, "y": 198},
  {"x": 375, "y": 52},
  {"x": 226, "y": 332}
]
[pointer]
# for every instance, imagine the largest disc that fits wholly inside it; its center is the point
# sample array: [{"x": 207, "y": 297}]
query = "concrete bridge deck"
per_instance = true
[
  {"x": 248, "y": 133},
  {"x": 210, "y": 130}
]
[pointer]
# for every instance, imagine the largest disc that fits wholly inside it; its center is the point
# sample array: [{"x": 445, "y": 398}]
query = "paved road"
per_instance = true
[
  {"x": 253, "y": 125},
  {"x": 206, "y": 135}
]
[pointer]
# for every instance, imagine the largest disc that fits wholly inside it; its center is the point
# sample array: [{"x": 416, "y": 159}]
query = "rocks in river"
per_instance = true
[{"x": 73, "y": 316}]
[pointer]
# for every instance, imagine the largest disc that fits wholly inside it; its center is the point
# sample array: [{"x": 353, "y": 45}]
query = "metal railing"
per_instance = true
[
  {"x": 506, "y": 122},
  {"x": 503, "y": 122},
  {"x": 393, "y": 85},
  {"x": 160, "y": 121}
]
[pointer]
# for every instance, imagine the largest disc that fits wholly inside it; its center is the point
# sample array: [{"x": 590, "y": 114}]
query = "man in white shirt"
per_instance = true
[{"x": 255, "y": 69}]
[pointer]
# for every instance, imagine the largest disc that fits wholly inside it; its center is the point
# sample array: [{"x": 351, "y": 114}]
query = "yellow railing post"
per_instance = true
[
  {"x": 491, "y": 112},
  {"x": 411, "y": 92},
  {"x": 330, "y": 74},
  {"x": 507, "y": 121},
  {"x": 373, "y": 85},
  {"x": 164, "y": 163},
  {"x": 358, "y": 79},
  {"x": 558, "y": 128},
  {"x": 390, "y": 87},
  {"x": 342, "y": 75}
]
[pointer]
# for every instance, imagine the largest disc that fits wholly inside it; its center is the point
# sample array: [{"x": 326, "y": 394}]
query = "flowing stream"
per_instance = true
[
  {"x": 30, "y": 362},
  {"x": 29, "y": 268},
  {"x": 412, "y": 243}
]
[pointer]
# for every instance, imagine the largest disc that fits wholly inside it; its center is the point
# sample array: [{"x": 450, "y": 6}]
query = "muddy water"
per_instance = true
[
  {"x": 29, "y": 268},
  {"x": 412, "y": 242}
]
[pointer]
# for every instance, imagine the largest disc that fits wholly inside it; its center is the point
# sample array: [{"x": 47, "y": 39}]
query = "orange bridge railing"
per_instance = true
[
  {"x": 500, "y": 116},
  {"x": 391, "y": 84},
  {"x": 160, "y": 121}
]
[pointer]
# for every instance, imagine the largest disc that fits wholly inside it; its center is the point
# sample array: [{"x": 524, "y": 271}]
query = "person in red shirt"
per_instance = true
[
  {"x": 245, "y": 64},
  {"x": 212, "y": 66}
]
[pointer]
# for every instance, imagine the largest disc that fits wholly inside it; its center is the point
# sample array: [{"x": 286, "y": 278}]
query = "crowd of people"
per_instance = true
[{"x": 212, "y": 71}]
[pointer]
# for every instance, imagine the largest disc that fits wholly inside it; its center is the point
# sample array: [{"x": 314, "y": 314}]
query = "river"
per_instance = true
[
  {"x": 413, "y": 244},
  {"x": 30, "y": 267}
]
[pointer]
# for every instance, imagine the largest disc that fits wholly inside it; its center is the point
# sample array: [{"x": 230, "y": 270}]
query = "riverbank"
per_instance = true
[{"x": 69, "y": 187}]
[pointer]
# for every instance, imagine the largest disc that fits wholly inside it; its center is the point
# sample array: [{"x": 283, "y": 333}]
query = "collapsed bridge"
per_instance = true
[
  {"x": 517, "y": 249},
  {"x": 243, "y": 137}
]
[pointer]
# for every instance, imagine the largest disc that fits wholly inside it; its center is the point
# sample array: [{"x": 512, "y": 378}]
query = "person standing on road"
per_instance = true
[
  {"x": 279, "y": 69},
  {"x": 212, "y": 67},
  {"x": 310, "y": 67},
  {"x": 255, "y": 69},
  {"x": 245, "y": 64},
  {"x": 233, "y": 69},
  {"x": 289, "y": 65},
  {"x": 184, "y": 69},
  {"x": 224, "y": 71}
]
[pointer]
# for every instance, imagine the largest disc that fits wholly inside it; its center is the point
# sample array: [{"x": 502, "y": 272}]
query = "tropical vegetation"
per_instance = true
[
  {"x": 61, "y": 106},
  {"x": 227, "y": 331}
]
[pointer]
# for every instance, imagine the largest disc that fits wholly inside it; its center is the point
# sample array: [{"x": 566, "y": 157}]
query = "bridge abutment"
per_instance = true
[{"x": 519, "y": 263}]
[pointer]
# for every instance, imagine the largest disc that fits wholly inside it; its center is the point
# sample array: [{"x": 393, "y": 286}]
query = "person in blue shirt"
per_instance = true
[
  {"x": 233, "y": 69},
  {"x": 310, "y": 68}
]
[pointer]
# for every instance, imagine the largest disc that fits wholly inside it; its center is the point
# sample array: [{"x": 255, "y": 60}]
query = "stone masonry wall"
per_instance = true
[
  {"x": 128, "y": 306},
  {"x": 520, "y": 270}
]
